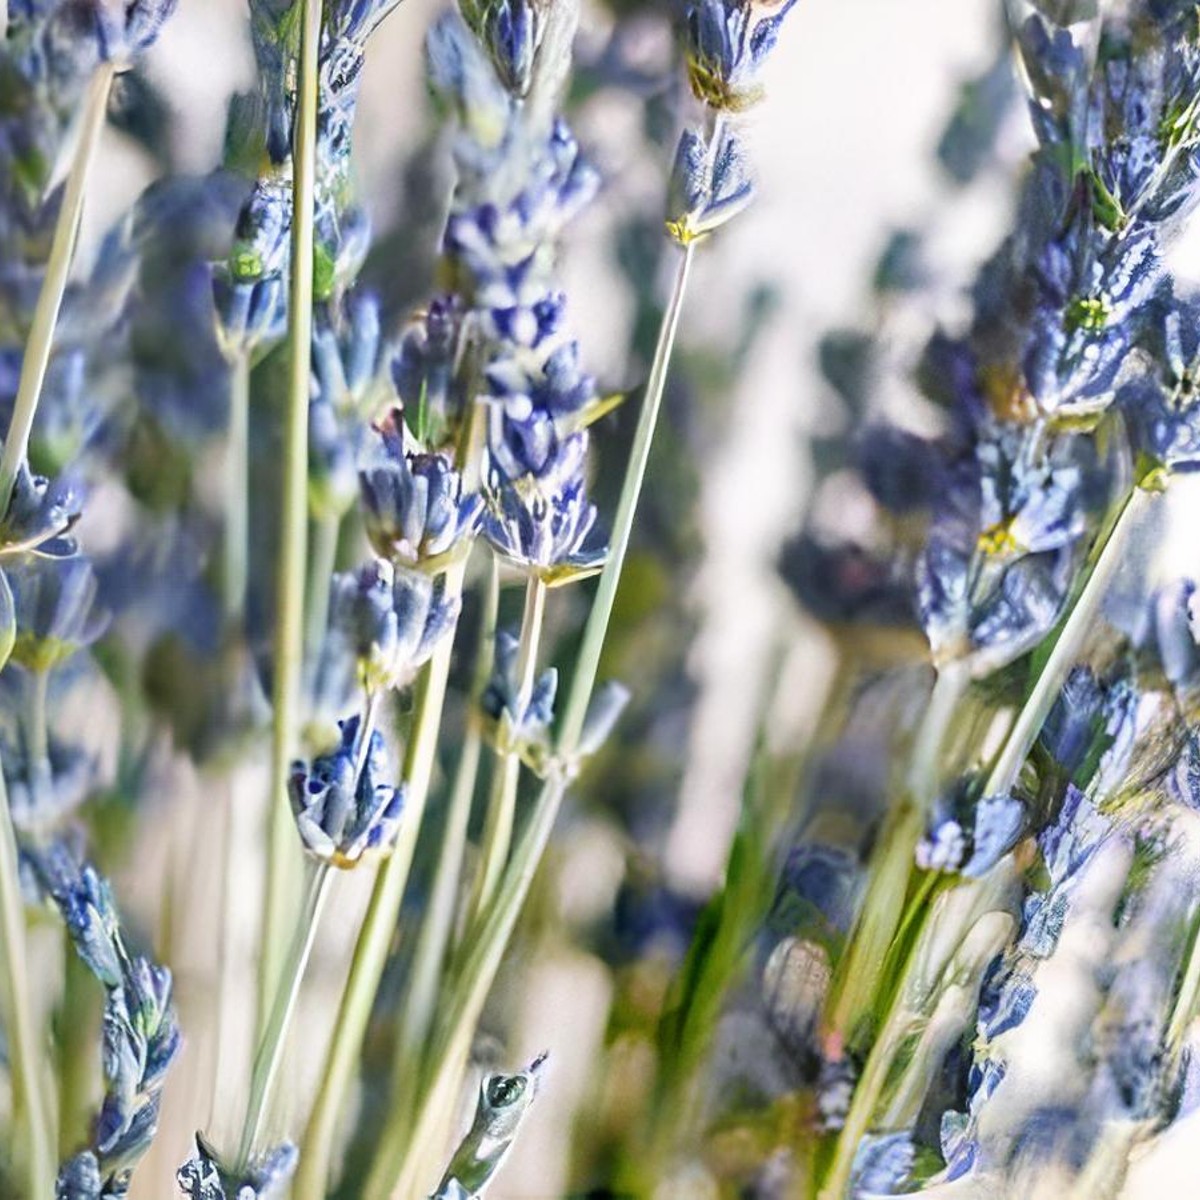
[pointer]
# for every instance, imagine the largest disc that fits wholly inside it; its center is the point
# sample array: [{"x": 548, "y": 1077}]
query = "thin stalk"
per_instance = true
[
  {"x": 502, "y": 805},
  {"x": 36, "y": 358},
  {"x": 39, "y": 730},
  {"x": 1074, "y": 634},
  {"x": 282, "y": 851},
  {"x": 438, "y": 927},
  {"x": 588, "y": 663},
  {"x": 30, "y": 1104},
  {"x": 1184, "y": 1008},
  {"x": 483, "y": 953},
  {"x": 484, "y": 948},
  {"x": 322, "y": 564},
  {"x": 269, "y": 1056},
  {"x": 379, "y": 924},
  {"x": 1078, "y": 625},
  {"x": 859, "y": 973},
  {"x": 237, "y": 510}
]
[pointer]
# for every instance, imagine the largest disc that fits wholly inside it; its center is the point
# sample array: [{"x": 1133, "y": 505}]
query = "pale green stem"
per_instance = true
[
  {"x": 36, "y": 359},
  {"x": 485, "y": 948},
  {"x": 862, "y": 1107},
  {"x": 282, "y": 850},
  {"x": 379, "y": 924},
  {"x": 438, "y": 926},
  {"x": 588, "y": 663},
  {"x": 860, "y": 971},
  {"x": 237, "y": 513},
  {"x": 482, "y": 954},
  {"x": 1075, "y": 632},
  {"x": 1079, "y": 625},
  {"x": 502, "y": 805},
  {"x": 269, "y": 1056},
  {"x": 39, "y": 731},
  {"x": 30, "y": 1105},
  {"x": 1184, "y": 1008}
]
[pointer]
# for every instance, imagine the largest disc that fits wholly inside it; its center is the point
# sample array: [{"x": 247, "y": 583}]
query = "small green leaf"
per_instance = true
[{"x": 8, "y": 621}]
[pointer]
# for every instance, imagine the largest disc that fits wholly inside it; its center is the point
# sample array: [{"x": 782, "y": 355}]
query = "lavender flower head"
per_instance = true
[
  {"x": 341, "y": 801},
  {"x": 141, "y": 1036},
  {"x": 414, "y": 506},
  {"x": 727, "y": 43},
  {"x": 541, "y": 522}
]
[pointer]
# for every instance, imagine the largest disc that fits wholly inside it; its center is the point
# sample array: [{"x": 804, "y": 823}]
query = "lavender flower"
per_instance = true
[
  {"x": 141, "y": 1037},
  {"x": 342, "y": 806},
  {"x": 415, "y": 510},
  {"x": 524, "y": 727},
  {"x": 541, "y": 522},
  {"x": 727, "y": 42},
  {"x": 56, "y": 609}
]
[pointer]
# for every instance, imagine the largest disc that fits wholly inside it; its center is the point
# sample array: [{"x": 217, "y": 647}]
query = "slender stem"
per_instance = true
[
  {"x": 860, "y": 972},
  {"x": 502, "y": 806},
  {"x": 39, "y": 731},
  {"x": 588, "y": 663},
  {"x": 1078, "y": 626},
  {"x": 25, "y": 1062},
  {"x": 1184, "y": 1008},
  {"x": 322, "y": 564},
  {"x": 437, "y": 928},
  {"x": 482, "y": 955},
  {"x": 379, "y": 924},
  {"x": 237, "y": 513},
  {"x": 485, "y": 948},
  {"x": 293, "y": 533},
  {"x": 36, "y": 359},
  {"x": 269, "y": 1056}
]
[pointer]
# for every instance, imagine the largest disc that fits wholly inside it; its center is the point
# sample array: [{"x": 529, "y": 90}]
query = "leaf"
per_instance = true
[{"x": 8, "y": 621}]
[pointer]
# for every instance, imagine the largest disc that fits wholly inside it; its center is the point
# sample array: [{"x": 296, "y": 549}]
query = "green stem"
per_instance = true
[
  {"x": 860, "y": 971},
  {"x": 237, "y": 514},
  {"x": 36, "y": 359},
  {"x": 485, "y": 948},
  {"x": 293, "y": 533},
  {"x": 502, "y": 805},
  {"x": 1075, "y": 631},
  {"x": 379, "y": 924},
  {"x": 588, "y": 663},
  {"x": 30, "y": 1105},
  {"x": 482, "y": 955},
  {"x": 438, "y": 926},
  {"x": 1184, "y": 1008},
  {"x": 269, "y": 1056}
]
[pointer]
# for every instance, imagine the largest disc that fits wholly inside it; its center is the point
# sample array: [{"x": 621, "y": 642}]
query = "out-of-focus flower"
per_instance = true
[{"x": 56, "y": 609}]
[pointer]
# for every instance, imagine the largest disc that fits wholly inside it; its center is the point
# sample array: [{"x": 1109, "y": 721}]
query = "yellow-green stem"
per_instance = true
[
  {"x": 438, "y": 926},
  {"x": 502, "y": 804},
  {"x": 237, "y": 513},
  {"x": 269, "y": 1056},
  {"x": 36, "y": 358},
  {"x": 485, "y": 948},
  {"x": 379, "y": 924},
  {"x": 282, "y": 849},
  {"x": 30, "y": 1104},
  {"x": 1075, "y": 631}
]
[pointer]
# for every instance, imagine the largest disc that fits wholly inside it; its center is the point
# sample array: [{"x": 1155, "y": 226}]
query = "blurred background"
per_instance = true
[{"x": 859, "y": 94}]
